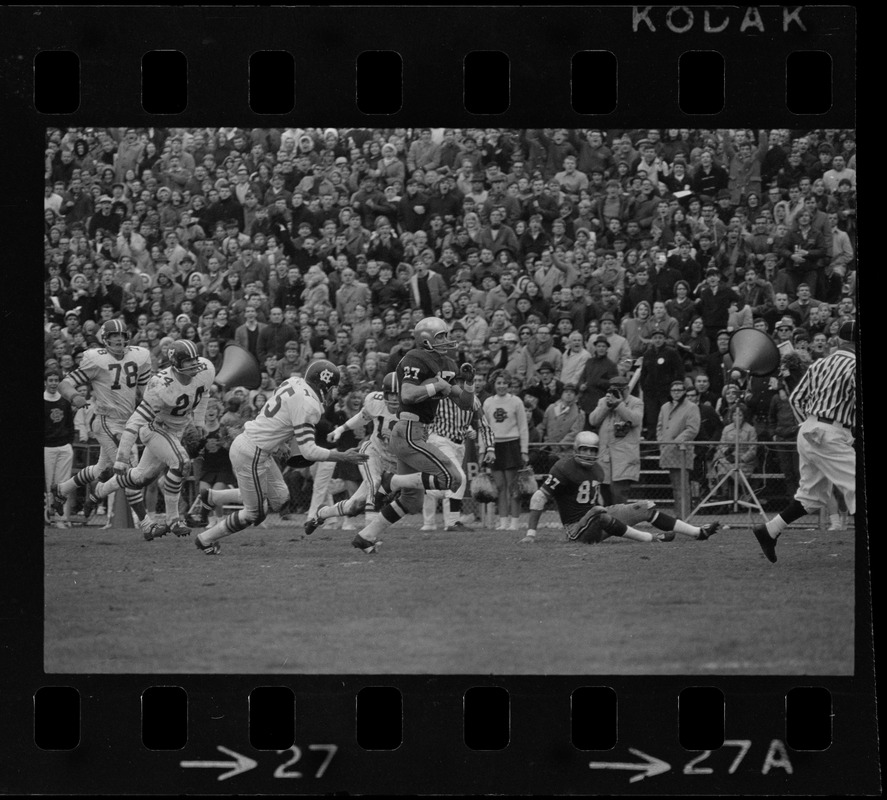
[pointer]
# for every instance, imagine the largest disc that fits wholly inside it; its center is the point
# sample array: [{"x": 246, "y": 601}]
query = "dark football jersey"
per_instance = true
[
  {"x": 572, "y": 485},
  {"x": 416, "y": 367}
]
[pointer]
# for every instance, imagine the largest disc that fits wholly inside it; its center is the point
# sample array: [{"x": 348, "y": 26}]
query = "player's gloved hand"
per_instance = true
[
  {"x": 79, "y": 401},
  {"x": 120, "y": 467},
  {"x": 335, "y": 434},
  {"x": 489, "y": 456},
  {"x": 530, "y": 538},
  {"x": 466, "y": 373},
  {"x": 353, "y": 456}
]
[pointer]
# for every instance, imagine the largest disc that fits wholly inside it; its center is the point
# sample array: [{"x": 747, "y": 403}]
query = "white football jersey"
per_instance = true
[
  {"x": 170, "y": 404},
  {"x": 113, "y": 380},
  {"x": 291, "y": 412},
  {"x": 375, "y": 410}
]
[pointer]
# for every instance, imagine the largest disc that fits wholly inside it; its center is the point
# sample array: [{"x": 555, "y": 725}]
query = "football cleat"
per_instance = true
[
  {"x": 154, "y": 530},
  {"x": 708, "y": 530},
  {"x": 314, "y": 522},
  {"x": 456, "y": 526},
  {"x": 198, "y": 516},
  {"x": 766, "y": 541},
  {"x": 362, "y": 544},
  {"x": 665, "y": 536},
  {"x": 428, "y": 528},
  {"x": 179, "y": 528},
  {"x": 210, "y": 549},
  {"x": 58, "y": 499}
]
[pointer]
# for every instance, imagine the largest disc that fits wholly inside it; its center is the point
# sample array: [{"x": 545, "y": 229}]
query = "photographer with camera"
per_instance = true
[{"x": 617, "y": 419}]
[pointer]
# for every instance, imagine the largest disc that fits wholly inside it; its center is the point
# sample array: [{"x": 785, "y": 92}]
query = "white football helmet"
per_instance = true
[
  {"x": 433, "y": 334},
  {"x": 585, "y": 447}
]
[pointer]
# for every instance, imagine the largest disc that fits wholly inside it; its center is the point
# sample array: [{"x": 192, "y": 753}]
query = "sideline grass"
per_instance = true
[{"x": 476, "y": 602}]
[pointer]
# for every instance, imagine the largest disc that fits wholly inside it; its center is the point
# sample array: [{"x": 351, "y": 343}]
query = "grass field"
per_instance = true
[{"x": 275, "y": 601}]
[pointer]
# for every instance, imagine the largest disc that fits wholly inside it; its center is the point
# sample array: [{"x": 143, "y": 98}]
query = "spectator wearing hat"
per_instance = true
[
  {"x": 563, "y": 419},
  {"x": 547, "y": 388},
  {"x": 678, "y": 425},
  {"x": 619, "y": 351},
  {"x": 661, "y": 366},
  {"x": 617, "y": 418},
  {"x": 596, "y": 375}
]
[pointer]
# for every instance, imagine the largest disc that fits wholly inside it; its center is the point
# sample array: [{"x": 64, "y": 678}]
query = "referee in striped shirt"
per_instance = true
[
  {"x": 825, "y": 403},
  {"x": 448, "y": 431}
]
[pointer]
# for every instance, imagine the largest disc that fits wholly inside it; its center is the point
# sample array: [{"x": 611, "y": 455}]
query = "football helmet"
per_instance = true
[
  {"x": 391, "y": 393},
  {"x": 184, "y": 358},
  {"x": 114, "y": 335},
  {"x": 323, "y": 376},
  {"x": 585, "y": 447},
  {"x": 433, "y": 334}
]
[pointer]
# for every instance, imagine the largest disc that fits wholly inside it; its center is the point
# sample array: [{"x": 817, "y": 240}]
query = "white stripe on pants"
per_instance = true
[{"x": 258, "y": 477}]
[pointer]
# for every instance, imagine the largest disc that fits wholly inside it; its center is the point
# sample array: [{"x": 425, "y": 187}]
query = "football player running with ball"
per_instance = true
[
  {"x": 172, "y": 397},
  {"x": 116, "y": 373},
  {"x": 424, "y": 376},
  {"x": 572, "y": 484},
  {"x": 381, "y": 409},
  {"x": 292, "y": 412}
]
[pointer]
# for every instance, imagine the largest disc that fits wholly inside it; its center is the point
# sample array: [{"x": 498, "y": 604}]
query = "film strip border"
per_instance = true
[
  {"x": 570, "y": 65},
  {"x": 453, "y": 735}
]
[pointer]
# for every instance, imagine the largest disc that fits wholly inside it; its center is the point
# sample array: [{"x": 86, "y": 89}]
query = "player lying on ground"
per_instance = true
[
  {"x": 116, "y": 373},
  {"x": 292, "y": 412},
  {"x": 572, "y": 485},
  {"x": 379, "y": 408},
  {"x": 172, "y": 397},
  {"x": 424, "y": 376}
]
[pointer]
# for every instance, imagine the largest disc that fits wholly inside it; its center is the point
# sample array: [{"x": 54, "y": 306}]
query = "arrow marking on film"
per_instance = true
[
  {"x": 653, "y": 766},
  {"x": 242, "y": 764}
]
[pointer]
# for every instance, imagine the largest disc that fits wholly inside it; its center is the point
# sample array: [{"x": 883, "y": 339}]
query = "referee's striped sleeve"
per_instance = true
[{"x": 486, "y": 432}]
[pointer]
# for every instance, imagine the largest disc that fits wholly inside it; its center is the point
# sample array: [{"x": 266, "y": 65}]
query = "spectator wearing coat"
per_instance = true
[
  {"x": 617, "y": 419},
  {"x": 679, "y": 421}
]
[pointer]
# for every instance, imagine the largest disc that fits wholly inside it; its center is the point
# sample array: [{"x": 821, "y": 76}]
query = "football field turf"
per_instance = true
[{"x": 475, "y": 602}]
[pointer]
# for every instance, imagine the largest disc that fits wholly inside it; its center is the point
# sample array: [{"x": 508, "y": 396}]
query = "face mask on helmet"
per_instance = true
[
  {"x": 115, "y": 343},
  {"x": 586, "y": 455}
]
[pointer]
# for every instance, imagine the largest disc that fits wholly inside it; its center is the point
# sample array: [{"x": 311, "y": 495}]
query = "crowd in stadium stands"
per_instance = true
[{"x": 563, "y": 257}]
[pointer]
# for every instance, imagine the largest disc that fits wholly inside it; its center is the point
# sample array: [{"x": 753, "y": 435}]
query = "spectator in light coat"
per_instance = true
[
  {"x": 679, "y": 421},
  {"x": 617, "y": 419}
]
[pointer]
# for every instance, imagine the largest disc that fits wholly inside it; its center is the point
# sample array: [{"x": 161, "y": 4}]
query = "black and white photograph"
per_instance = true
[
  {"x": 450, "y": 400},
  {"x": 444, "y": 399}
]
